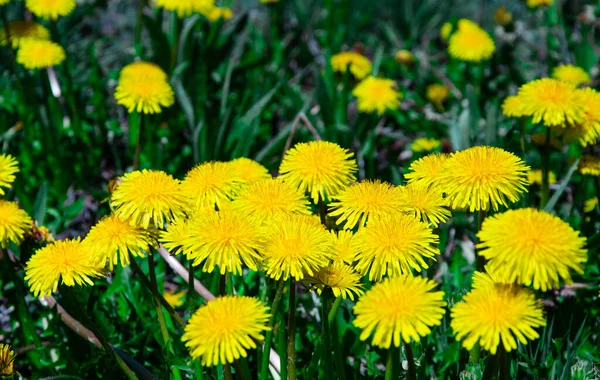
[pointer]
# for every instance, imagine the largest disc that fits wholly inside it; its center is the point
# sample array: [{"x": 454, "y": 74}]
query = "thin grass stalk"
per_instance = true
[
  {"x": 161, "y": 318},
  {"x": 281, "y": 343},
  {"x": 545, "y": 171},
  {"x": 292, "y": 331},
  {"x": 264, "y": 367}
]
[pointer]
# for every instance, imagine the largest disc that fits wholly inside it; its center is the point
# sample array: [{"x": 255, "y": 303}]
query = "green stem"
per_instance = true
[
  {"x": 503, "y": 363},
  {"x": 137, "y": 35},
  {"x": 391, "y": 365},
  {"x": 322, "y": 211},
  {"x": 410, "y": 358},
  {"x": 292, "y": 332},
  {"x": 326, "y": 335},
  {"x": 480, "y": 259},
  {"x": 190, "y": 291},
  {"x": 545, "y": 170},
  {"x": 314, "y": 361},
  {"x": 176, "y": 30},
  {"x": 490, "y": 367},
  {"x": 136, "y": 157},
  {"x": 522, "y": 138},
  {"x": 264, "y": 366},
  {"x": 338, "y": 353},
  {"x": 281, "y": 344},
  {"x": 229, "y": 283},
  {"x": 161, "y": 318},
  {"x": 227, "y": 372}
]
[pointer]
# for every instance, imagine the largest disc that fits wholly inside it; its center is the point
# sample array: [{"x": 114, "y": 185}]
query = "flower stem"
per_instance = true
[
  {"x": 392, "y": 365},
  {"x": 190, "y": 291},
  {"x": 326, "y": 335},
  {"x": 503, "y": 363},
  {"x": 161, "y": 318},
  {"x": 227, "y": 372},
  {"x": 136, "y": 157},
  {"x": 314, "y": 361},
  {"x": 410, "y": 357},
  {"x": 264, "y": 366},
  {"x": 322, "y": 211},
  {"x": 292, "y": 332},
  {"x": 480, "y": 259},
  {"x": 137, "y": 34},
  {"x": 229, "y": 283},
  {"x": 545, "y": 170},
  {"x": 490, "y": 367}
]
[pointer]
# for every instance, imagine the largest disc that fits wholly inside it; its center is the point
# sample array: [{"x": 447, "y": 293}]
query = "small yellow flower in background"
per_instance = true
[
  {"x": 149, "y": 198},
  {"x": 377, "y": 95},
  {"x": 483, "y": 178},
  {"x": 512, "y": 106},
  {"x": 540, "y": 139},
  {"x": 269, "y": 1},
  {"x": 379, "y": 313},
  {"x": 249, "y": 170},
  {"x": 589, "y": 165},
  {"x": 8, "y": 168},
  {"x": 210, "y": 184},
  {"x": 587, "y": 130},
  {"x": 186, "y": 7},
  {"x": 470, "y": 43},
  {"x": 427, "y": 169},
  {"x": 223, "y": 329},
  {"x": 144, "y": 87},
  {"x": 7, "y": 358},
  {"x": 426, "y": 203},
  {"x": 538, "y": 3},
  {"x": 295, "y": 245},
  {"x": 50, "y": 9},
  {"x": 404, "y": 57},
  {"x": 445, "y": 31},
  {"x": 263, "y": 200},
  {"x": 21, "y": 30},
  {"x": 493, "y": 313},
  {"x": 175, "y": 299},
  {"x": 502, "y": 16},
  {"x": 531, "y": 247},
  {"x": 359, "y": 65},
  {"x": 218, "y": 13},
  {"x": 320, "y": 168},
  {"x": 39, "y": 54},
  {"x": 2, "y": 2},
  {"x": 572, "y": 74},
  {"x": 342, "y": 246},
  {"x": 423, "y": 144},
  {"x": 14, "y": 223},
  {"x": 142, "y": 70},
  {"x": 67, "y": 261},
  {"x": 590, "y": 205},
  {"x": 437, "y": 94},
  {"x": 535, "y": 177},
  {"x": 380, "y": 250},
  {"x": 174, "y": 237},
  {"x": 225, "y": 239},
  {"x": 112, "y": 239},
  {"x": 340, "y": 278},
  {"x": 363, "y": 200}
]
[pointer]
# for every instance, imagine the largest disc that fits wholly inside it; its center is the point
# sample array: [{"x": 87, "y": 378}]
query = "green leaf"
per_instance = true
[
  {"x": 39, "y": 207},
  {"x": 552, "y": 202}
]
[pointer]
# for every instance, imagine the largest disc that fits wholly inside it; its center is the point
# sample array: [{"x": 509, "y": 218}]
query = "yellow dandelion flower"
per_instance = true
[
  {"x": 588, "y": 129},
  {"x": 174, "y": 237},
  {"x": 342, "y": 246},
  {"x": 534, "y": 177},
  {"x": 551, "y": 101},
  {"x": 590, "y": 205},
  {"x": 2, "y": 2},
  {"x": 538, "y": 3},
  {"x": 112, "y": 239},
  {"x": 359, "y": 202},
  {"x": 265, "y": 199},
  {"x": 359, "y": 65},
  {"x": 210, "y": 184},
  {"x": 445, "y": 31},
  {"x": 149, "y": 197},
  {"x": 494, "y": 312},
  {"x": 7, "y": 358},
  {"x": 142, "y": 70},
  {"x": 572, "y": 74},
  {"x": 437, "y": 94},
  {"x": 14, "y": 223},
  {"x": 8, "y": 169},
  {"x": 512, "y": 106},
  {"x": 186, "y": 7},
  {"x": 39, "y": 54},
  {"x": 427, "y": 169},
  {"x": 223, "y": 329},
  {"x": 377, "y": 95},
  {"x": 540, "y": 139},
  {"x": 217, "y": 13},
  {"x": 589, "y": 165},
  {"x": 50, "y": 9},
  {"x": 21, "y": 30},
  {"x": 380, "y": 314},
  {"x": 484, "y": 177},
  {"x": 340, "y": 278},
  {"x": 144, "y": 91},
  {"x": 502, "y": 16},
  {"x": 531, "y": 247},
  {"x": 321, "y": 168},
  {"x": 175, "y": 299},
  {"x": 380, "y": 250},
  {"x": 423, "y": 144},
  {"x": 404, "y": 57},
  {"x": 470, "y": 43},
  {"x": 295, "y": 245},
  {"x": 248, "y": 170},
  {"x": 426, "y": 203},
  {"x": 68, "y": 261},
  {"x": 224, "y": 239}
]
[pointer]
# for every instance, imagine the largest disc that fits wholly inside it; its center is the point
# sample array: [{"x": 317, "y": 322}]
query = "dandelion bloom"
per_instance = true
[
  {"x": 321, "y": 168},
  {"x": 174, "y": 237},
  {"x": 39, "y": 54},
  {"x": 50, "y": 9},
  {"x": 404, "y": 57},
  {"x": 377, "y": 95},
  {"x": 426, "y": 203},
  {"x": 295, "y": 245},
  {"x": 512, "y": 106},
  {"x": 401, "y": 308},
  {"x": 175, "y": 299},
  {"x": 143, "y": 87},
  {"x": 8, "y": 168},
  {"x": 359, "y": 202},
  {"x": 223, "y": 329},
  {"x": 112, "y": 239},
  {"x": 445, "y": 31},
  {"x": 538, "y": 3},
  {"x": 531, "y": 247},
  {"x": 186, "y": 7},
  {"x": 493, "y": 312},
  {"x": 66, "y": 260},
  {"x": 540, "y": 140},
  {"x": 142, "y": 70},
  {"x": 210, "y": 184},
  {"x": 394, "y": 245},
  {"x": 535, "y": 177},
  {"x": 342, "y": 246},
  {"x": 21, "y": 30},
  {"x": 589, "y": 165},
  {"x": 224, "y": 239},
  {"x": 427, "y": 170},
  {"x": 470, "y": 43},
  {"x": 572, "y": 74},
  {"x": 248, "y": 170},
  {"x": 268, "y": 198},
  {"x": 340, "y": 278},
  {"x": 551, "y": 101},
  {"x": 14, "y": 223},
  {"x": 423, "y": 144},
  {"x": 590, "y": 205},
  {"x": 7, "y": 358},
  {"x": 437, "y": 94},
  {"x": 483, "y": 178},
  {"x": 359, "y": 65},
  {"x": 218, "y": 13},
  {"x": 587, "y": 130},
  {"x": 149, "y": 197}
]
